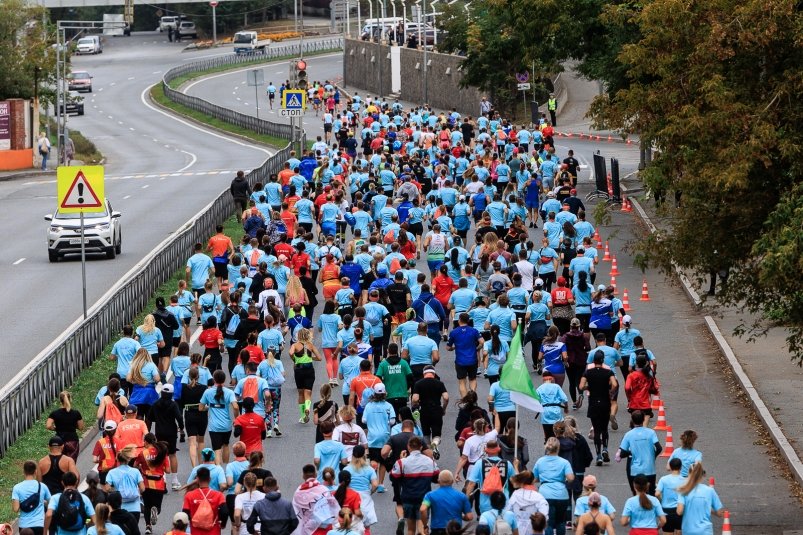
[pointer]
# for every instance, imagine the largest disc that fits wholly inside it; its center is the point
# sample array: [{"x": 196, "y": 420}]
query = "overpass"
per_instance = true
[{"x": 92, "y": 3}]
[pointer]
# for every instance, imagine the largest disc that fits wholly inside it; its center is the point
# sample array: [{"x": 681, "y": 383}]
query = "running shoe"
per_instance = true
[
  {"x": 539, "y": 367},
  {"x": 277, "y": 431},
  {"x": 148, "y": 530},
  {"x": 381, "y": 489},
  {"x": 176, "y": 486},
  {"x": 400, "y": 527},
  {"x": 305, "y": 419},
  {"x": 605, "y": 456},
  {"x": 301, "y": 420},
  {"x": 154, "y": 517},
  {"x": 436, "y": 454},
  {"x": 599, "y": 460},
  {"x": 591, "y": 433},
  {"x": 269, "y": 434},
  {"x": 614, "y": 423},
  {"x": 580, "y": 399}
]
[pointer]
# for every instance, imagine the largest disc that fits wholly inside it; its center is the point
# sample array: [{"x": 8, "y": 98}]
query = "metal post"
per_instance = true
[
  {"x": 434, "y": 25},
  {"x": 301, "y": 44},
  {"x": 83, "y": 261},
  {"x": 359, "y": 18},
  {"x": 426, "y": 56},
  {"x": 58, "y": 90},
  {"x": 642, "y": 157},
  {"x": 214, "y": 25},
  {"x": 395, "y": 26},
  {"x": 295, "y": 15},
  {"x": 256, "y": 96}
]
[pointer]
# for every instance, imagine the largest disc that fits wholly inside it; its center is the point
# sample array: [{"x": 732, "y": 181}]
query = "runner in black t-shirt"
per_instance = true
[
  {"x": 400, "y": 298},
  {"x": 430, "y": 395},
  {"x": 599, "y": 380}
]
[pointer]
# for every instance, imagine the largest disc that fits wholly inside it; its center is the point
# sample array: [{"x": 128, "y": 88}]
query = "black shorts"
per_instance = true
[
  {"x": 195, "y": 423},
  {"x": 200, "y": 291},
  {"x": 221, "y": 269},
  {"x": 615, "y": 393},
  {"x": 645, "y": 412},
  {"x": 469, "y": 371},
  {"x": 187, "y": 321},
  {"x": 375, "y": 455},
  {"x": 304, "y": 376},
  {"x": 165, "y": 351},
  {"x": 396, "y": 483},
  {"x": 171, "y": 442},
  {"x": 271, "y": 96},
  {"x": 219, "y": 439},
  {"x": 306, "y": 226},
  {"x": 412, "y": 511},
  {"x": 673, "y": 520},
  {"x": 416, "y": 229},
  {"x": 176, "y": 341},
  {"x": 327, "y": 127}
]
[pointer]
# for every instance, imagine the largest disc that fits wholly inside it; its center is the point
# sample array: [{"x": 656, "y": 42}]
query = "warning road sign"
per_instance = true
[
  {"x": 294, "y": 99},
  {"x": 80, "y": 189}
]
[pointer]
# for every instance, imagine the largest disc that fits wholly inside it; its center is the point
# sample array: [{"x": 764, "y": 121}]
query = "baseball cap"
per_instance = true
[
  {"x": 590, "y": 481},
  {"x": 539, "y": 281},
  {"x": 575, "y": 322},
  {"x": 181, "y": 518},
  {"x": 110, "y": 425},
  {"x": 581, "y": 249},
  {"x": 381, "y": 269},
  {"x": 627, "y": 319},
  {"x": 131, "y": 408},
  {"x": 601, "y": 288},
  {"x": 550, "y": 194},
  {"x": 379, "y": 388},
  {"x": 55, "y": 441},
  {"x": 462, "y": 197},
  {"x": 573, "y": 191},
  {"x": 167, "y": 388}
]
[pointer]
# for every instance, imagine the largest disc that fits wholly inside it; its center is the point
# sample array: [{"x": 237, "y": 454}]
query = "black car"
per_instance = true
[{"x": 75, "y": 103}]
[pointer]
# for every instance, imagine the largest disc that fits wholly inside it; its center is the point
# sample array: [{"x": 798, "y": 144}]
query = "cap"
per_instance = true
[
  {"x": 167, "y": 388},
  {"x": 381, "y": 269},
  {"x": 575, "y": 322},
  {"x": 561, "y": 281},
  {"x": 93, "y": 476},
  {"x": 110, "y": 425},
  {"x": 601, "y": 288},
  {"x": 590, "y": 481},
  {"x": 411, "y": 262},
  {"x": 55, "y": 441},
  {"x": 573, "y": 191},
  {"x": 462, "y": 197},
  {"x": 160, "y": 302},
  {"x": 181, "y": 518},
  {"x": 594, "y": 499},
  {"x": 539, "y": 281},
  {"x": 131, "y": 408},
  {"x": 327, "y": 188},
  {"x": 379, "y": 388},
  {"x": 581, "y": 249},
  {"x": 429, "y": 369},
  {"x": 550, "y": 194},
  {"x": 627, "y": 319}
]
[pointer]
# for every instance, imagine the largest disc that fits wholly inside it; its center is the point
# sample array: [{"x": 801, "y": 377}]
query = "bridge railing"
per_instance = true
[{"x": 26, "y": 396}]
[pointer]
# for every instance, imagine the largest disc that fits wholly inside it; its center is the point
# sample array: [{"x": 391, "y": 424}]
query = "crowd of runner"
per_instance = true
[{"x": 412, "y": 229}]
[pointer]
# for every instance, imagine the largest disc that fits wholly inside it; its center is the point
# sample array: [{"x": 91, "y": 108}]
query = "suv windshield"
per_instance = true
[
  {"x": 242, "y": 38},
  {"x": 88, "y": 215}
]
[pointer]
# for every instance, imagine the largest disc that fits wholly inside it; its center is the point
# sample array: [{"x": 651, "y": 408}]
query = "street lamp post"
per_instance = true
[
  {"x": 395, "y": 26},
  {"x": 404, "y": 21},
  {"x": 434, "y": 25}
]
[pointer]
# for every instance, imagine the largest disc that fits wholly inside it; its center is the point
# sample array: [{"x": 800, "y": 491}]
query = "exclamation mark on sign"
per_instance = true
[{"x": 80, "y": 193}]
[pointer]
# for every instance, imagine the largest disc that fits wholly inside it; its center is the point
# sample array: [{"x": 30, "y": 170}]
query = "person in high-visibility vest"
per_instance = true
[
  {"x": 106, "y": 448},
  {"x": 552, "y": 106}
]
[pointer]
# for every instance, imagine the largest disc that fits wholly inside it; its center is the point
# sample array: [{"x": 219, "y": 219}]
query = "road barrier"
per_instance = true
[
  {"x": 24, "y": 398},
  {"x": 242, "y": 120}
]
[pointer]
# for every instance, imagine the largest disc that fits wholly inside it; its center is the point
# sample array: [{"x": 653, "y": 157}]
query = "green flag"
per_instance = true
[{"x": 516, "y": 377}]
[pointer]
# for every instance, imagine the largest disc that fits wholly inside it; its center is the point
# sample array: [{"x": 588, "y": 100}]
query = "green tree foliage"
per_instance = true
[
  {"x": 24, "y": 51},
  {"x": 717, "y": 86}
]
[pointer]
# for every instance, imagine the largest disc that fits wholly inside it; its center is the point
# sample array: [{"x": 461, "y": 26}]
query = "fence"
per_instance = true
[{"x": 30, "y": 392}]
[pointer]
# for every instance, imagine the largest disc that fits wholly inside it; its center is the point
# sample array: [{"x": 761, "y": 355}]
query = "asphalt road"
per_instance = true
[{"x": 160, "y": 171}]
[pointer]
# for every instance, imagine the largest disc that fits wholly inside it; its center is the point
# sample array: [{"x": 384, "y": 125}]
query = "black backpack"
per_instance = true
[
  {"x": 30, "y": 503},
  {"x": 70, "y": 513}
]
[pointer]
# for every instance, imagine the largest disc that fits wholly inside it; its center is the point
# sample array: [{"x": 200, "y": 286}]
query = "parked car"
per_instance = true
[
  {"x": 103, "y": 233},
  {"x": 75, "y": 103},
  {"x": 79, "y": 81},
  {"x": 90, "y": 44},
  {"x": 186, "y": 29},
  {"x": 168, "y": 22}
]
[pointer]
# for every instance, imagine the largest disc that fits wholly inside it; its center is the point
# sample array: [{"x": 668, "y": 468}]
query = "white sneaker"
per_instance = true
[{"x": 269, "y": 434}]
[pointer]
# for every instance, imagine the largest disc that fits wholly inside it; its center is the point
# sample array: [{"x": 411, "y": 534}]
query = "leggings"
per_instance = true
[
  {"x": 273, "y": 417},
  {"x": 556, "y": 525},
  {"x": 575, "y": 373},
  {"x": 600, "y": 425},
  {"x": 151, "y": 498},
  {"x": 378, "y": 345},
  {"x": 549, "y": 279},
  {"x": 549, "y": 431},
  {"x": 331, "y": 361},
  {"x": 536, "y": 342}
]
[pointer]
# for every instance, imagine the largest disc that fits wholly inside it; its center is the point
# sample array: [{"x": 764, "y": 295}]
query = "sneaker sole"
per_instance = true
[
  {"x": 614, "y": 423},
  {"x": 606, "y": 457}
]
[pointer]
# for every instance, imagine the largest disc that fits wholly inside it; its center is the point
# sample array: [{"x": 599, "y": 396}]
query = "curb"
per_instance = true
[
  {"x": 32, "y": 173},
  {"x": 778, "y": 437}
]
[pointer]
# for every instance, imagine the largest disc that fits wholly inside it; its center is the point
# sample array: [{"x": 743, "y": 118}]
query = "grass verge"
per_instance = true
[
  {"x": 85, "y": 150},
  {"x": 33, "y": 443}
]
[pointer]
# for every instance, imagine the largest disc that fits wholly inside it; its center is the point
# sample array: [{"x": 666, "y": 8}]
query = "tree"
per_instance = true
[
  {"x": 24, "y": 52},
  {"x": 717, "y": 86}
]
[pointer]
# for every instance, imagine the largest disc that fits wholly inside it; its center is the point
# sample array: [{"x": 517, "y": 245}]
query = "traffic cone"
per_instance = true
[
  {"x": 629, "y": 205},
  {"x": 624, "y": 205},
  {"x": 607, "y": 257},
  {"x": 626, "y": 301},
  {"x": 597, "y": 239},
  {"x": 660, "y": 424},
  {"x": 656, "y": 402},
  {"x": 645, "y": 293},
  {"x": 614, "y": 267},
  {"x": 613, "y": 283},
  {"x": 670, "y": 446},
  {"x": 711, "y": 482},
  {"x": 726, "y": 524}
]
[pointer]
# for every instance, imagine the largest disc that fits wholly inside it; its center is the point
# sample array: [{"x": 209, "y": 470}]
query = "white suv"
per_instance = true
[{"x": 103, "y": 233}]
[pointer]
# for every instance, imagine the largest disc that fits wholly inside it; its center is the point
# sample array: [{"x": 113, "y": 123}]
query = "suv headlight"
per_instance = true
[
  {"x": 101, "y": 226},
  {"x": 56, "y": 228}
]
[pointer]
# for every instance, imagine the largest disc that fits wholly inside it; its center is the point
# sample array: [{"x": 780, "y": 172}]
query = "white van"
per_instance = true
[{"x": 89, "y": 45}]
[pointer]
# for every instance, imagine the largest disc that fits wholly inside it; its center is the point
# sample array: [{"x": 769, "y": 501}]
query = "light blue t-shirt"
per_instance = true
[
  {"x": 495, "y": 360},
  {"x": 361, "y": 477},
  {"x": 640, "y": 517},
  {"x": 538, "y": 311},
  {"x": 111, "y": 529},
  {"x": 220, "y": 419},
  {"x": 461, "y": 300},
  {"x": 304, "y": 210},
  {"x": 640, "y": 442},
  {"x": 233, "y": 471},
  {"x": 407, "y": 330},
  {"x": 126, "y": 475},
  {"x": 688, "y": 458},
  {"x": 328, "y": 324},
  {"x": 378, "y": 416},
  {"x": 216, "y": 474},
  {"x": 552, "y": 397},
  {"x": 581, "y": 506},
  {"x": 125, "y": 348},
  {"x": 53, "y": 504},
  {"x": 24, "y": 489},
  {"x": 611, "y": 358},
  {"x": 262, "y": 386},
  {"x": 199, "y": 265},
  {"x": 349, "y": 368},
  {"x": 668, "y": 486},
  {"x": 502, "y": 317},
  {"x": 420, "y": 349},
  {"x": 331, "y": 453},
  {"x": 501, "y": 397},
  {"x": 625, "y": 339},
  {"x": 149, "y": 340},
  {"x": 489, "y": 518},
  {"x": 204, "y": 375},
  {"x": 551, "y": 471},
  {"x": 697, "y": 506}
]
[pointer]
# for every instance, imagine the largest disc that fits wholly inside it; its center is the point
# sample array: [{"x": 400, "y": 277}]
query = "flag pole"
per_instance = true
[{"x": 516, "y": 441}]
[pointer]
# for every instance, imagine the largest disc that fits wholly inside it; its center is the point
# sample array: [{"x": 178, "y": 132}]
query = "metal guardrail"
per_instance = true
[{"x": 24, "y": 398}]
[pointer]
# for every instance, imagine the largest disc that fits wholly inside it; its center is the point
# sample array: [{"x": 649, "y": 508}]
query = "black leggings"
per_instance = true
[
  {"x": 536, "y": 342},
  {"x": 600, "y": 424},
  {"x": 575, "y": 372},
  {"x": 378, "y": 345},
  {"x": 549, "y": 280},
  {"x": 152, "y": 498}
]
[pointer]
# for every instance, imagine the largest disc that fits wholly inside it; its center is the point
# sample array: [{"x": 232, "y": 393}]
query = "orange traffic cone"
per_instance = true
[
  {"x": 670, "y": 446},
  {"x": 597, "y": 238},
  {"x": 660, "y": 425},
  {"x": 624, "y": 205},
  {"x": 607, "y": 257},
  {"x": 726, "y": 524},
  {"x": 626, "y": 301},
  {"x": 711, "y": 482},
  {"x": 656, "y": 402},
  {"x": 614, "y": 267},
  {"x": 613, "y": 283},
  {"x": 629, "y": 205},
  {"x": 645, "y": 293}
]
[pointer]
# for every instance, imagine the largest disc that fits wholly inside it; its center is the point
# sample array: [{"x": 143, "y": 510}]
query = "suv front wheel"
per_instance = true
[{"x": 53, "y": 256}]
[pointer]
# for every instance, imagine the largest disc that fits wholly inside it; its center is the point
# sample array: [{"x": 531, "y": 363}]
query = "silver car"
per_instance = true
[{"x": 103, "y": 233}]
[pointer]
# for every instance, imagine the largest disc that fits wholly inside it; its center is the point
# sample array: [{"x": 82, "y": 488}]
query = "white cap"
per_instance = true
[
  {"x": 110, "y": 425},
  {"x": 601, "y": 288},
  {"x": 379, "y": 388},
  {"x": 627, "y": 319},
  {"x": 539, "y": 281}
]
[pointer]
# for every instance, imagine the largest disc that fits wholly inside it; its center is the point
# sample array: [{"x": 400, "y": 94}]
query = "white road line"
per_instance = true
[
  {"x": 127, "y": 197},
  {"x": 193, "y": 159},
  {"x": 131, "y": 128},
  {"x": 120, "y": 123},
  {"x": 175, "y": 174},
  {"x": 198, "y": 128},
  {"x": 278, "y": 72},
  {"x": 145, "y": 186},
  {"x": 20, "y": 261},
  {"x": 150, "y": 176},
  {"x": 130, "y": 77},
  {"x": 156, "y": 72}
]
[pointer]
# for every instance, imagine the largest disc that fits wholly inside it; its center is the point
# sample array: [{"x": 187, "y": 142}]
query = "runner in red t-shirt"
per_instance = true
[
  {"x": 194, "y": 506},
  {"x": 250, "y": 427}
]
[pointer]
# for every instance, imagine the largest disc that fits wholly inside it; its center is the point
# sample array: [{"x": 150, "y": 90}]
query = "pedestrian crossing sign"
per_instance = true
[{"x": 293, "y": 99}]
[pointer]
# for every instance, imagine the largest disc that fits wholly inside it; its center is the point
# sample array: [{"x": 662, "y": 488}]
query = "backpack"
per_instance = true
[
  {"x": 29, "y": 504},
  {"x": 234, "y": 323},
  {"x": 251, "y": 388},
  {"x": 430, "y": 316},
  {"x": 128, "y": 488},
  {"x": 204, "y": 517},
  {"x": 492, "y": 481},
  {"x": 70, "y": 514},
  {"x": 275, "y": 377},
  {"x": 395, "y": 265},
  {"x": 372, "y": 316},
  {"x": 112, "y": 411},
  {"x": 501, "y": 526},
  {"x": 210, "y": 307},
  {"x": 253, "y": 262}
]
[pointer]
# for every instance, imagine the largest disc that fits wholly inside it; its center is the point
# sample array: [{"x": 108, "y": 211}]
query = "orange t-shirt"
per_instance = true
[
  {"x": 132, "y": 431},
  {"x": 220, "y": 244},
  {"x": 361, "y": 382},
  {"x": 289, "y": 220},
  {"x": 152, "y": 475},
  {"x": 285, "y": 175}
]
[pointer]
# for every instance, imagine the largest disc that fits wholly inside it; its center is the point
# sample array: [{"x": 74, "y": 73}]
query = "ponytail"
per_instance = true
[
  {"x": 66, "y": 400},
  {"x": 220, "y": 377},
  {"x": 454, "y": 258},
  {"x": 496, "y": 342},
  {"x": 582, "y": 282}
]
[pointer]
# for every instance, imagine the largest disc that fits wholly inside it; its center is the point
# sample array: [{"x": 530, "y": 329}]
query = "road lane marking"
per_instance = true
[
  {"x": 20, "y": 261},
  {"x": 127, "y": 197},
  {"x": 145, "y": 186},
  {"x": 130, "y": 77},
  {"x": 193, "y": 159}
]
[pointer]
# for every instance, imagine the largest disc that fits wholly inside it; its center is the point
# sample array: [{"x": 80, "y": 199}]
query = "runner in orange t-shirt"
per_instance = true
[{"x": 222, "y": 249}]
